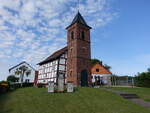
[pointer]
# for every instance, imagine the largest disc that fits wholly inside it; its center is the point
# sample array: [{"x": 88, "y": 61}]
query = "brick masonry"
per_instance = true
[{"x": 79, "y": 54}]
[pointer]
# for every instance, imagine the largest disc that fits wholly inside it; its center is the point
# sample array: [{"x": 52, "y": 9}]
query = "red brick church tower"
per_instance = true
[{"x": 79, "y": 52}]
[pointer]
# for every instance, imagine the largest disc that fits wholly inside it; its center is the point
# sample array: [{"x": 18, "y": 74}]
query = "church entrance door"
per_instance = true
[{"x": 84, "y": 78}]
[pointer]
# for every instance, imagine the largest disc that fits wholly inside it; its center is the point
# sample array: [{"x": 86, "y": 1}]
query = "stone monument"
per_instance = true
[
  {"x": 61, "y": 81},
  {"x": 50, "y": 86},
  {"x": 70, "y": 87}
]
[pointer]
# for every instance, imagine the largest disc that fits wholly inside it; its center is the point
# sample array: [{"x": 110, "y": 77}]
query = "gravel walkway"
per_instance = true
[{"x": 135, "y": 100}]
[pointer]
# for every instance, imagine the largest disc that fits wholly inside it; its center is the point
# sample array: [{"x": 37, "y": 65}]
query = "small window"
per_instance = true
[
  {"x": 97, "y": 70},
  {"x": 28, "y": 73},
  {"x": 72, "y": 35},
  {"x": 83, "y": 35},
  {"x": 27, "y": 80}
]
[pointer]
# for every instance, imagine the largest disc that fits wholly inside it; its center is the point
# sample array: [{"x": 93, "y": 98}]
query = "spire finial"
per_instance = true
[{"x": 78, "y": 5}]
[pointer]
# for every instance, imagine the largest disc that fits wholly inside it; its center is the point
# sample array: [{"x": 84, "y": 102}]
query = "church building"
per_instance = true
[{"x": 72, "y": 61}]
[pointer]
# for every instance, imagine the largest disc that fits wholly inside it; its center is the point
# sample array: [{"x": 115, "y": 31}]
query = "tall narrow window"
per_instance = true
[
  {"x": 83, "y": 35},
  {"x": 72, "y": 35},
  {"x": 71, "y": 73}
]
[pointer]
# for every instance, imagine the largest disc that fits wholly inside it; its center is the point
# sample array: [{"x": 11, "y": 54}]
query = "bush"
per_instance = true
[
  {"x": 143, "y": 79},
  {"x": 27, "y": 84},
  {"x": 13, "y": 86},
  {"x": 18, "y": 85},
  {"x": 40, "y": 85},
  {"x": 4, "y": 86},
  {"x": 12, "y": 78}
]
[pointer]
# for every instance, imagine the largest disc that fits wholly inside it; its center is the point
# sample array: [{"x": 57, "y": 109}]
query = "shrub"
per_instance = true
[
  {"x": 4, "y": 86},
  {"x": 143, "y": 79},
  {"x": 40, "y": 85},
  {"x": 27, "y": 84},
  {"x": 12, "y": 78},
  {"x": 18, "y": 85}
]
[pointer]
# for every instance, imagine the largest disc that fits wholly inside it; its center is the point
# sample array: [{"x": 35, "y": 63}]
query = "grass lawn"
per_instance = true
[
  {"x": 143, "y": 93},
  {"x": 84, "y": 100}
]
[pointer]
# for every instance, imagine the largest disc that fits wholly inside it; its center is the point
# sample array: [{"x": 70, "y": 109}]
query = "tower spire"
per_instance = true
[{"x": 78, "y": 18}]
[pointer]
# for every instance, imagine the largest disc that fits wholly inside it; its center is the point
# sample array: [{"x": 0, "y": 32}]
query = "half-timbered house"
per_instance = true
[{"x": 51, "y": 67}]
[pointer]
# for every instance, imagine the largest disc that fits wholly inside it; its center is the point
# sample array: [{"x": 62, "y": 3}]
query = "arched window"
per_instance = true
[
  {"x": 83, "y": 35},
  {"x": 72, "y": 35}
]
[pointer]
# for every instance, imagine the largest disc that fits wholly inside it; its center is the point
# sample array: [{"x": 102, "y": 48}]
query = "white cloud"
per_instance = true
[{"x": 32, "y": 29}]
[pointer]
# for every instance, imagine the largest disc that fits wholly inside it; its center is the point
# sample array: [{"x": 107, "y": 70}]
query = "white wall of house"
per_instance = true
[
  {"x": 104, "y": 77},
  {"x": 48, "y": 72},
  {"x": 27, "y": 78}
]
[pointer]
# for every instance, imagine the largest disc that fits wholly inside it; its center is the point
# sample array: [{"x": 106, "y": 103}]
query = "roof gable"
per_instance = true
[
  {"x": 21, "y": 64},
  {"x": 103, "y": 70},
  {"x": 54, "y": 56}
]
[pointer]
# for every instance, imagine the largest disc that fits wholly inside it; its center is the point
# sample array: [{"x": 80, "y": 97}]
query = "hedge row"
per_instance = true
[{"x": 6, "y": 86}]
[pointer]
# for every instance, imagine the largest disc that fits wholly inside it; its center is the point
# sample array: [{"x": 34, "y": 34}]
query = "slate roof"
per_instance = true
[
  {"x": 79, "y": 19},
  {"x": 54, "y": 56}
]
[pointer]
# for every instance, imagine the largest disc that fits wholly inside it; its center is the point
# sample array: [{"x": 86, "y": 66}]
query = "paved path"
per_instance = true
[{"x": 135, "y": 100}]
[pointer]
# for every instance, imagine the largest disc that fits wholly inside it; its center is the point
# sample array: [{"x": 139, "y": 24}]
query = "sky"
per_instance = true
[{"x": 31, "y": 30}]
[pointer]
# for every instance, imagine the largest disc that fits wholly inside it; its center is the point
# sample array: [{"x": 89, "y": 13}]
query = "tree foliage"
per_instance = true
[
  {"x": 143, "y": 79},
  {"x": 12, "y": 78},
  {"x": 96, "y": 61},
  {"x": 21, "y": 71}
]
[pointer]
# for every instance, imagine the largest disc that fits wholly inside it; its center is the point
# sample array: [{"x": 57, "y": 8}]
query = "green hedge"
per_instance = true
[
  {"x": 18, "y": 85},
  {"x": 8, "y": 86}
]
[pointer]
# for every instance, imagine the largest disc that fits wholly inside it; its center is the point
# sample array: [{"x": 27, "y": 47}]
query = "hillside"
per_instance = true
[{"x": 84, "y": 100}]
